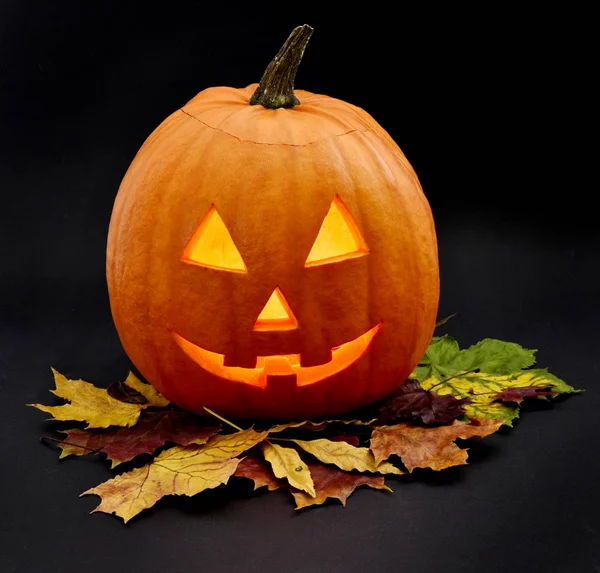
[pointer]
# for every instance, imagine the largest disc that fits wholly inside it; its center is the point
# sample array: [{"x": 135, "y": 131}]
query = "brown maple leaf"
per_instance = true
[
  {"x": 254, "y": 468},
  {"x": 329, "y": 482},
  {"x": 411, "y": 401},
  {"x": 335, "y": 483},
  {"x": 519, "y": 394},
  {"x": 428, "y": 447},
  {"x": 153, "y": 430}
]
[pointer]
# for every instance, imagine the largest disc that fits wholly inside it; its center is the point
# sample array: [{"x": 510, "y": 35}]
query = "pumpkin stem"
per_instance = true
[{"x": 276, "y": 88}]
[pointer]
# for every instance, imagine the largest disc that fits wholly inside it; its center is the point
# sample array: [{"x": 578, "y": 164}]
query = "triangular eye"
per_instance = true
[
  {"x": 339, "y": 238},
  {"x": 212, "y": 246}
]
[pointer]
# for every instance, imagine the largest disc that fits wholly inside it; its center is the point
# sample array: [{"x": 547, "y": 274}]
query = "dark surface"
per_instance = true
[{"x": 484, "y": 107}]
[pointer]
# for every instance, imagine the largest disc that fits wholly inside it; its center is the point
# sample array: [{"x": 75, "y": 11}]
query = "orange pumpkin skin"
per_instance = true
[{"x": 272, "y": 176}]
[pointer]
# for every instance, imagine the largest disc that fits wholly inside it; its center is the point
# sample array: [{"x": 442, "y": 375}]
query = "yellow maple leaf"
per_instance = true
[
  {"x": 286, "y": 463},
  {"x": 153, "y": 397},
  {"x": 482, "y": 388},
  {"x": 181, "y": 470},
  {"x": 90, "y": 404},
  {"x": 346, "y": 456}
]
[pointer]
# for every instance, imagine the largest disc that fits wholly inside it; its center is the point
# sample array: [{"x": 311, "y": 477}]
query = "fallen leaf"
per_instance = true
[
  {"x": 304, "y": 425},
  {"x": 317, "y": 426},
  {"x": 444, "y": 359},
  {"x": 412, "y": 401},
  {"x": 120, "y": 391},
  {"x": 152, "y": 395},
  {"x": 428, "y": 447},
  {"x": 251, "y": 467},
  {"x": 481, "y": 388},
  {"x": 519, "y": 394},
  {"x": 152, "y": 431},
  {"x": 181, "y": 470},
  {"x": 335, "y": 483},
  {"x": 481, "y": 372},
  {"x": 346, "y": 456},
  {"x": 89, "y": 404},
  {"x": 286, "y": 463},
  {"x": 486, "y": 381}
]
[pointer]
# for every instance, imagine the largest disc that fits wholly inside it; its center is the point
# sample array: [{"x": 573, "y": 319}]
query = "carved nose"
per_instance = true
[{"x": 276, "y": 314}]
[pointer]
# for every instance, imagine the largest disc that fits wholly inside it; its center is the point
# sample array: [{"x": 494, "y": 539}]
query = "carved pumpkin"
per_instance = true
[{"x": 272, "y": 256}]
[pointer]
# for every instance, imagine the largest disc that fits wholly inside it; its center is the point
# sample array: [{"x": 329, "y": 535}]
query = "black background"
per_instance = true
[{"x": 487, "y": 103}]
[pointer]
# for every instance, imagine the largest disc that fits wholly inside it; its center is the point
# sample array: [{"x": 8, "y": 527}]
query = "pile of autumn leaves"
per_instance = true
[{"x": 453, "y": 394}]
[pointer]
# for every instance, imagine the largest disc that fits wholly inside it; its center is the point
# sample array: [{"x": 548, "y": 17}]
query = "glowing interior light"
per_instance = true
[
  {"x": 339, "y": 238},
  {"x": 276, "y": 314},
  {"x": 212, "y": 246},
  {"x": 342, "y": 357}
]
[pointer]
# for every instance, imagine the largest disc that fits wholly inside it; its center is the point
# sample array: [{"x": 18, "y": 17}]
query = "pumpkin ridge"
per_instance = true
[{"x": 359, "y": 217}]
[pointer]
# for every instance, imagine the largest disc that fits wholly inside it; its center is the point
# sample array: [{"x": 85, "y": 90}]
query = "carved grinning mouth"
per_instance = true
[{"x": 343, "y": 356}]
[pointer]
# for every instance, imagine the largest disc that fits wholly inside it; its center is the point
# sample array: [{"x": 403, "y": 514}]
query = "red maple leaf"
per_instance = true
[
  {"x": 519, "y": 394},
  {"x": 153, "y": 430},
  {"x": 412, "y": 402}
]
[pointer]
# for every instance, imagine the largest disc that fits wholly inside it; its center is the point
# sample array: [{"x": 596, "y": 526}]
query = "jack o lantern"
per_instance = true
[{"x": 271, "y": 254}]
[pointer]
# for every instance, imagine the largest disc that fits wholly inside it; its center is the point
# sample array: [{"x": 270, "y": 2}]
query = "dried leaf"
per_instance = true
[
  {"x": 89, "y": 404},
  {"x": 153, "y": 397},
  {"x": 479, "y": 380},
  {"x": 286, "y": 463},
  {"x": 519, "y": 394},
  {"x": 251, "y": 467},
  {"x": 335, "y": 483},
  {"x": 412, "y": 401},
  {"x": 432, "y": 447},
  {"x": 152, "y": 431},
  {"x": 317, "y": 426},
  {"x": 482, "y": 388},
  {"x": 345, "y": 456},
  {"x": 305, "y": 425},
  {"x": 177, "y": 471},
  {"x": 120, "y": 391}
]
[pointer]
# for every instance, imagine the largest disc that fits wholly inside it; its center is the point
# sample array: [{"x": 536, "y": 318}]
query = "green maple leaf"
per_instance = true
[
  {"x": 444, "y": 358},
  {"x": 481, "y": 372}
]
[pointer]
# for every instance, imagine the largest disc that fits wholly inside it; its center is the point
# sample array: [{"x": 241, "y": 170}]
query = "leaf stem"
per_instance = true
[
  {"x": 223, "y": 419},
  {"x": 444, "y": 320},
  {"x": 541, "y": 388},
  {"x": 49, "y": 439},
  {"x": 452, "y": 378}
]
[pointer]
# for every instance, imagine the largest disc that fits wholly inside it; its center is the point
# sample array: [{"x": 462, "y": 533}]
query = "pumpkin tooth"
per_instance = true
[
  {"x": 293, "y": 359},
  {"x": 278, "y": 366}
]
